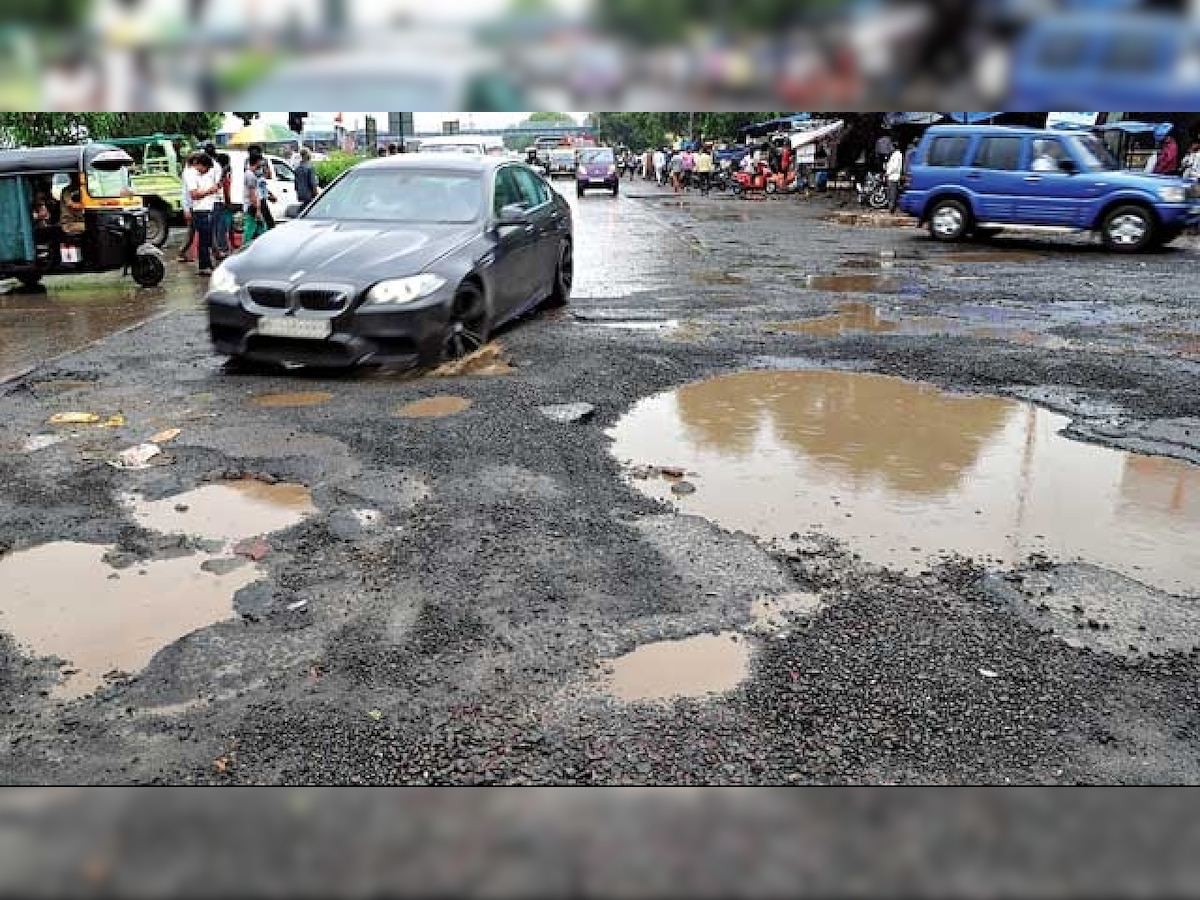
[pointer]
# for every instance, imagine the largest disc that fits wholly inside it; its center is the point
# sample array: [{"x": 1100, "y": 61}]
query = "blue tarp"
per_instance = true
[
  {"x": 971, "y": 118},
  {"x": 785, "y": 123},
  {"x": 1159, "y": 129}
]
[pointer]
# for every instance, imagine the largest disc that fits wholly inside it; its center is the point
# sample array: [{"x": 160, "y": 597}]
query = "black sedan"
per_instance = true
[{"x": 404, "y": 260}]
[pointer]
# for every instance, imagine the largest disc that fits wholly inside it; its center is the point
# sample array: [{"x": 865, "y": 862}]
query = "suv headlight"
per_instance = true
[
  {"x": 223, "y": 281},
  {"x": 1172, "y": 194},
  {"x": 397, "y": 291}
]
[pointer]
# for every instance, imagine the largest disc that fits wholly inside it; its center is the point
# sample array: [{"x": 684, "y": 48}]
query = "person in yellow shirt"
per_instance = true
[{"x": 704, "y": 169}]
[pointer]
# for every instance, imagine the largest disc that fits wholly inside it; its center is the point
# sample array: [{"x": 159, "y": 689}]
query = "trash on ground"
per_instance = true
[
  {"x": 136, "y": 457},
  {"x": 252, "y": 549},
  {"x": 74, "y": 418},
  {"x": 989, "y": 673},
  {"x": 568, "y": 413},
  {"x": 168, "y": 435},
  {"x": 36, "y": 442}
]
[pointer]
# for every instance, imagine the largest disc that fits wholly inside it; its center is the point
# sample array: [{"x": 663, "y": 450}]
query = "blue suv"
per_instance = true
[{"x": 967, "y": 180}]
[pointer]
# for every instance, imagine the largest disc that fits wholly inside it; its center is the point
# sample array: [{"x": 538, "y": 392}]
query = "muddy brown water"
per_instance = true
[
  {"x": 855, "y": 284},
  {"x": 901, "y": 471},
  {"x": 862, "y": 317},
  {"x": 699, "y": 666},
  {"x": 290, "y": 400},
  {"x": 229, "y": 511},
  {"x": 61, "y": 599},
  {"x": 434, "y": 407}
]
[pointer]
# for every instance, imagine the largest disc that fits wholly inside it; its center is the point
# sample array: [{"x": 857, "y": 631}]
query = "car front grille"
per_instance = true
[
  {"x": 269, "y": 296},
  {"x": 318, "y": 298},
  {"x": 326, "y": 300}
]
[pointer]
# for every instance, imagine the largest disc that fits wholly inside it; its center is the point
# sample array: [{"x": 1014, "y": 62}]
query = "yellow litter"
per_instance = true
[{"x": 163, "y": 436}]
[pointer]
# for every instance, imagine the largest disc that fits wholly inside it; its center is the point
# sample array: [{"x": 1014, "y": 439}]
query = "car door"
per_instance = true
[
  {"x": 514, "y": 266},
  {"x": 281, "y": 182},
  {"x": 546, "y": 220},
  {"x": 1052, "y": 196},
  {"x": 995, "y": 177}
]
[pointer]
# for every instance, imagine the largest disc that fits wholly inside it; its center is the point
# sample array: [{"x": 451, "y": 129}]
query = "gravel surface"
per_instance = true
[{"x": 443, "y": 618}]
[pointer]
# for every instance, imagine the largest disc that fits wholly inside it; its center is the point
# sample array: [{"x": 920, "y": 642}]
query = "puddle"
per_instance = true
[
  {"x": 229, "y": 511},
  {"x": 860, "y": 317},
  {"x": 633, "y": 324},
  {"x": 901, "y": 471},
  {"x": 695, "y": 667},
  {"x": 717, "y": 278},
  {"x": 487, "y": 360},
  {"x": 288, "y": 401},
  {"x": 434, "y": 407},
  {"x": 856, "y": 284},
  {"x": 989, "y": 256},
  {"x": 60, "y": 600}
]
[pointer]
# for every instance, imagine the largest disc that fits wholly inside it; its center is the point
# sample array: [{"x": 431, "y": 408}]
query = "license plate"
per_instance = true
[
  {"x": 1195, "y": 211},
  {"x": 596, "y": 180},
  {"x": 306, "y": 329}
]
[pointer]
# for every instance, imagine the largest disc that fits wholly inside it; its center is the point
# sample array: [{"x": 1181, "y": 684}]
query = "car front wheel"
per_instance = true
[
  {"x": 949, "y": 221},
  {"x": 564, "y": 276},
  {"x": 1128, "y": 229},
  {"x": 467, "y": 329}
]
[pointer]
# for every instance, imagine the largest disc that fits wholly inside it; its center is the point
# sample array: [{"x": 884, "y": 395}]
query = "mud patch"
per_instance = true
[
  {"x": 728, "y": 278},
  {"x": 291, "y": 400},
  {"x": 490, "y": 359},
  {"x": 857, "y": 284},
  {"x": 699, "y": 666},
  {"x": 434, "y": 407},
  {"x": 63, "y": 600},
  {"x": 857, "y": 316},
  {"x": 901, "y": 471},
  {"x": 230, "y": 511}
]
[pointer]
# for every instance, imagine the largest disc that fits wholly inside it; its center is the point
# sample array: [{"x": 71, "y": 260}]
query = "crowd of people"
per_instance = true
[{"x": 208, "y": 207}]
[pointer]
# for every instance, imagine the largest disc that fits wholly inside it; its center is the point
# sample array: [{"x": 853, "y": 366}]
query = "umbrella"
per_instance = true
[{"x": 260, "y": 132}]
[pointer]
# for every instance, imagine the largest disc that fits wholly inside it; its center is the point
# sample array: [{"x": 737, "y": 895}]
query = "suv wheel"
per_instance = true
[
  {"x": 1128, "y": 229},
  {"x": 949, "y": 220}
]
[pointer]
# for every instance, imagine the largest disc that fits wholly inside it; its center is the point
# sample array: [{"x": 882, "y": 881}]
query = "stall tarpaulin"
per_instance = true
[{"x": 812, "y": 135}]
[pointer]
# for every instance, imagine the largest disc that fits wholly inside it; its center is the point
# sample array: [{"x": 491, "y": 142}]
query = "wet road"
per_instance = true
[{"x": 825, "y": 473}]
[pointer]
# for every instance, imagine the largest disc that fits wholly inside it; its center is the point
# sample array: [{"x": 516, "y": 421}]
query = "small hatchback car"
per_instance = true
[
  {"x": 597, "y": 169},
  {"x": 967, "y": 180}
]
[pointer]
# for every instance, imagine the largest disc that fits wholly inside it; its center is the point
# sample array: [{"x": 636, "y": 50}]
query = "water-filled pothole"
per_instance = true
[
  {"x": 63, "y": 599},
  {"x": 698, "y": 666},
  {"x": 434, "y": 407},
  {"x": 901, "y": 470},
  {"x": 861, "y": 317},
  {"x": 857, "y": 284},
  {"x": 228, "y": 511},
  {"x": 291, "y": 400}
]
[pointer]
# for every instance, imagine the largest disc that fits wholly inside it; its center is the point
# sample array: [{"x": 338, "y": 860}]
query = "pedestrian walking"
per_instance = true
[
  {"x": 660, "y": 166},
  {"x": 307, "y": 186},
  {"x": 258, "y": 162},
  {"x": 252, "y": 218},
  {"x": 894, "y": 172},
  {"x": 676, "y": 167},
  {"x": 704, "y": 169},
  {"x": 1168, "y": 157},
  {"x": 186, "y": 207},
  {"x": 883, "y": 150},
  {"x": 223, "y": 211},
  {"x": 203, "y": 188}
]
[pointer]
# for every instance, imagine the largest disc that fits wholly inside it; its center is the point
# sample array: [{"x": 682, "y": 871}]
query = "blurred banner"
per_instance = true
[
  {"x": 535, "y": 842},
  {"x": 497, "y": 55}
]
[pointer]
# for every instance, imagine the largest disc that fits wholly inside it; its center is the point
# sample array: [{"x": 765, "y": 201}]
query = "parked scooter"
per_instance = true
[
  {"x": 872, "y": 191},
  {"x": 785, "y": 183},
  {"x": 747, "y": 182}
]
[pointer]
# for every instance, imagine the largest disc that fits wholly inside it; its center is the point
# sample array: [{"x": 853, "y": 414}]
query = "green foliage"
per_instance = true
[
  {"x": 549, "y": 118},
  {"x": 649, "y": 129},
  {"x": 56, "y": 129},
  {"x": 329, "y": 169}
]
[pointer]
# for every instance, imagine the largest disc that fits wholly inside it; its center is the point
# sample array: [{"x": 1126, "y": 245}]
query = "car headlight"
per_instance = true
[
  {"x": 612, "y": 170},
  {"x": 404, "y": 290},
  {"x": 583, "y": 170},
  {"x": 1172, "y": 194},
  {"x": 223, "y": 281}
]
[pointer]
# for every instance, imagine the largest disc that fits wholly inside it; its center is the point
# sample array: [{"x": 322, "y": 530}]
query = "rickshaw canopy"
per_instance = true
[{"x": 51, "y": 160}]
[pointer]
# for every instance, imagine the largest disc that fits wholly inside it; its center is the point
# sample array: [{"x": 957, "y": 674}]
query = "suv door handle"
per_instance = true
[
  {"x": 974, "y": 176},
  {"x": 1033, "y": 177}
]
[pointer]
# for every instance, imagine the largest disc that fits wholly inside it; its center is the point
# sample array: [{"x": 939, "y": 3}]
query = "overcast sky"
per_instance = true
[{"x": 424, "y": 121}]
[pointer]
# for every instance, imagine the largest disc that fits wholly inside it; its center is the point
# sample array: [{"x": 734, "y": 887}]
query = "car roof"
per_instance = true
[
  {"x": 1013, "y": 130},
  {"x": 450, "y": 162}
]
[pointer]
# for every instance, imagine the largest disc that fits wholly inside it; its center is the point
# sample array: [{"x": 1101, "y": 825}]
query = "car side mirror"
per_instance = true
[
  {"x": 1068, "y": 165},
  {"x": 513, "y": 214},
  {"x": 293, "y": 210}
]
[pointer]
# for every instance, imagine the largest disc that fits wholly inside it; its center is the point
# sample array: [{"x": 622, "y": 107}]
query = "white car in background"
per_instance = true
[{"x": 281, "y": 182}]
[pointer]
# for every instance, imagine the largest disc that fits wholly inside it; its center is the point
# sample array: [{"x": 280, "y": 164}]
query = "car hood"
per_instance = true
[{"x": 354, "y": 252}]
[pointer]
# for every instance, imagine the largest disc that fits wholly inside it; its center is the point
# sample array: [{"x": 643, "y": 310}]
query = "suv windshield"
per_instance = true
[
  {"x": 409, "y": 197},
  {"x": 1096, "y": 157},
  {"x": 596, "y": 157}
]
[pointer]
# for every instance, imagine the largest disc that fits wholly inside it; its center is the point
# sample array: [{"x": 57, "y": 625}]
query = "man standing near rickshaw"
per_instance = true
[{"x": 202, "y": 186}]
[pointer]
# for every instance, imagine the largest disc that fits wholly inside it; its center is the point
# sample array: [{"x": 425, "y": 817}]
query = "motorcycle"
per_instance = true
[{"x": 872, "y": 191}]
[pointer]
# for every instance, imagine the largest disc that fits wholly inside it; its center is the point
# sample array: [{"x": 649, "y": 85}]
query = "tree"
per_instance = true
[
  {"x": 549, "y": 118},
  {"x": 52, "y": 129},
  {"x": 246, "y": 117}
]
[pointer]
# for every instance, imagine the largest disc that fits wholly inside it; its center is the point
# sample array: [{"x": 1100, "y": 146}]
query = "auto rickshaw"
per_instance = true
[{"x": 66, "y": 210}]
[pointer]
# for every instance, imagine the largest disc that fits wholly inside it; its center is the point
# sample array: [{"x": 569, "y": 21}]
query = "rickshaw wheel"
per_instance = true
[
  {"x": 158, "y": 228},
  {"x": 148, "y": 271}
]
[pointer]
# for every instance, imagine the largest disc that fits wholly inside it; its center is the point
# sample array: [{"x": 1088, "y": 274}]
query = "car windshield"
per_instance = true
[
  {"x": 410, "y": 196},
  {"x": 102, "y": 183},
  {"x": 1096, "y": 157},
  {"x": 596, "y": 157}
]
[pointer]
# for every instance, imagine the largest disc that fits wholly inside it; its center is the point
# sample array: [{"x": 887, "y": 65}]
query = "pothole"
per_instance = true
[
  {"x": 859, "y": 284},
  {"x": 229, "y": 511},
  {"x": 901, "y": 471},
  {"x": 291, "y": 400},
  {"x": 63, "y": 600},
  {"x": 699, "y": 666},
  {"x": 434, "y": 407},
  {"x": 773, "y": 614},
  {"x": 856, "y": 316},
  {"x": 490, "y": 359}
]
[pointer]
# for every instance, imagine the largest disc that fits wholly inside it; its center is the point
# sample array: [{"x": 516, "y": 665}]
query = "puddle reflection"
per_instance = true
[
  {"x": 900, "y": 470},
  {"x": 698, "y": 666}
]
